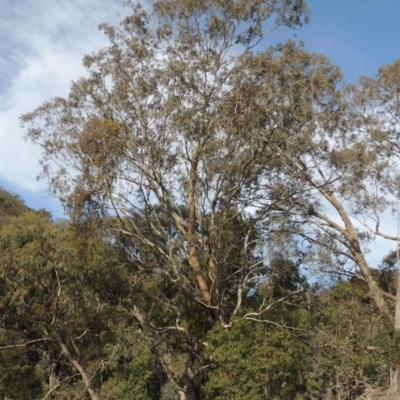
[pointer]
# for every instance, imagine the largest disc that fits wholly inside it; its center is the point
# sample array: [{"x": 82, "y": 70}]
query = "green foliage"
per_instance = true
[
  {"x": 57, "y": 292},
  {"x": 137, "y": 380},
  {"x": 254, "y": 361},
  {"x": 10, "y": 205},
  {"x": 350, "y": 344},
  {"x": 20, "y": 373}
]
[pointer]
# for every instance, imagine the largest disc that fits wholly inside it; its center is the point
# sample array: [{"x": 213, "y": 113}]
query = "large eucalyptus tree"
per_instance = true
[{"x": 171, "y": 132}]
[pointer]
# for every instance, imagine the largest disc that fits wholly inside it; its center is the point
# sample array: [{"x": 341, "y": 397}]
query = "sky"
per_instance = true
[{"x": 42, "y": 45}]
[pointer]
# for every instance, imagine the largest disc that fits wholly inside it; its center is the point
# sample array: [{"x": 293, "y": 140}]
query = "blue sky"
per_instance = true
[
  {"x": 42, "y": 44},
  {"x": 357, "y": 35}
]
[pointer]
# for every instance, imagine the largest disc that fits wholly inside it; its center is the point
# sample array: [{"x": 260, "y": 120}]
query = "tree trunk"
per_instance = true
[
  {"x": 76, "y": 364},
  {"x": 354, "y": 245},
  {"x": 393, "y": 380},
  {"x": 93, "y": 395},
  {"x": 207, "y": 289},
  {"x": 394, "y": 369},
  {"x": 193, "y": 259},
  {"x": 54, "y": 375},
  {"x": 182, "y": 395},
  {"x": 397, "y": 309}
]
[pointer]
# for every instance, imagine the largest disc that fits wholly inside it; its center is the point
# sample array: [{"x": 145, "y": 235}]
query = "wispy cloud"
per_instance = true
[{"x": 42, "y": 45}]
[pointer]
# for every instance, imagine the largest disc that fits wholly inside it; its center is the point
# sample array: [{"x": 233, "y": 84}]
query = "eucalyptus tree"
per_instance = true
[
  {"x": 171, "y": 128},
  {"x": 341, "y": 160},
  {"x": 377, "y": 105},
  {"x": 351, "y": 165},
  {"x": 330, "y": 168}
]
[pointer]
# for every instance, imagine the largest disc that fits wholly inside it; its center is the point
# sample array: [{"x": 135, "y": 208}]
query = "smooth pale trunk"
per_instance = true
[
  {"x": 394, "y": 369},
  {"x": 182, "y": 395}
]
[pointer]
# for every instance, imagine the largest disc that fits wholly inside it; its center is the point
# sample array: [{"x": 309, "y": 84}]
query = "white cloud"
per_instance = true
[{"x": 42, "y": 45}]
